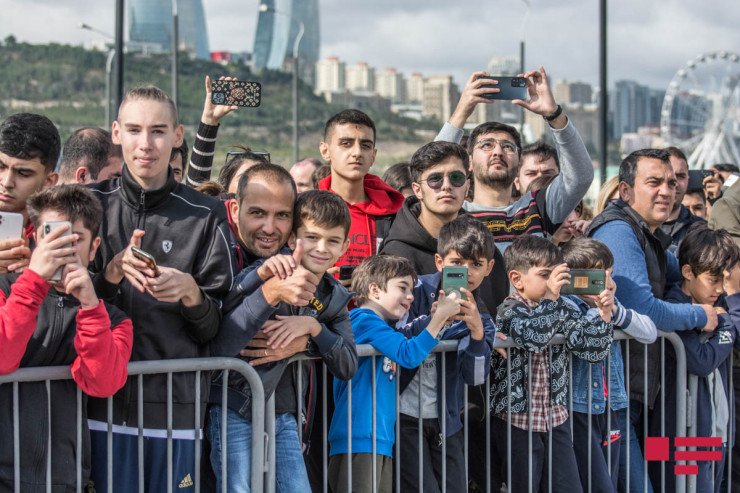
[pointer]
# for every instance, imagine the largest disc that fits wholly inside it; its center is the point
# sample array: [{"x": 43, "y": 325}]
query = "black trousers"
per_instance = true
[
  {"x": 563, "y": 466},
  {"x": 431, "y": 457},
  {"x": 604, "y": 475}
]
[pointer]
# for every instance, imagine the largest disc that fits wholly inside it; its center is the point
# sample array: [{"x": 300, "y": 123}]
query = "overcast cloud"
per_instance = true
[{"x": 648, "y": 39}]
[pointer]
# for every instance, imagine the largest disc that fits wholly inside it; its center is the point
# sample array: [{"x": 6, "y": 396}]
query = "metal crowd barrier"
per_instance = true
[
  {"x": 139, "y": 369},
  {"x": 485, "y": 484},
  {"x": 263, "y": 423}
]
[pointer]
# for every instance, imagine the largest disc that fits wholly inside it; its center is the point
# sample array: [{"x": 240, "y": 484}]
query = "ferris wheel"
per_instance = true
[{"x": 701, "y": 110}]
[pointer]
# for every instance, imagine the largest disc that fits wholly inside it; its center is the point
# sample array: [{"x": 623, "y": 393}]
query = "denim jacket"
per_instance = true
[{"x": 640, "y": 327}]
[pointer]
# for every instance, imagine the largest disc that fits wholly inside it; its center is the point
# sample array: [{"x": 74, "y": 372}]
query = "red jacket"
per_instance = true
[
  {"x": 365, "y": 237},
  {"x": 102, "y": 353}
]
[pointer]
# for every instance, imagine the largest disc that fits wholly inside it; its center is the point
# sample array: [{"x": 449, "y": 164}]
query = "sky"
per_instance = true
[{"x": 648, "y": 40}]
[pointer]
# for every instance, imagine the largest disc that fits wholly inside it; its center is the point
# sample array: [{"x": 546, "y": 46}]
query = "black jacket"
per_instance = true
[
  {"x": 335, "y": 344},
  {"x": 679, "y": 228},
  {"x": 408, "y": 238},
  {"x": 188, "y": 231},
  {"x": 654, "y": 245},
  {"x": 52, "y": 344}
]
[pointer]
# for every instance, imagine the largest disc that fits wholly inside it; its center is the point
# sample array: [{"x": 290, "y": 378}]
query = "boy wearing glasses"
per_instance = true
[{"x": 440, "y": 183}]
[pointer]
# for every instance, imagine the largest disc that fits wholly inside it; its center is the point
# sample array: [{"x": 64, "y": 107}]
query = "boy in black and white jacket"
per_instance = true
[{"x": 531, "y": 317}]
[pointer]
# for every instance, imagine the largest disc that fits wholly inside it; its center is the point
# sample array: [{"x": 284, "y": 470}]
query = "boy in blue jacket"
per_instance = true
[
  {"x": 383, "y": 285},
  {"x": 710, "y": 265},
  {"x": 605, "y": 437},
  {"x": 464, "y": 242}
]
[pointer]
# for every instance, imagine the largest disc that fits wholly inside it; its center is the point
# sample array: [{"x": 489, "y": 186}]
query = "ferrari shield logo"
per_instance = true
[{"x": 166, "y": 246}]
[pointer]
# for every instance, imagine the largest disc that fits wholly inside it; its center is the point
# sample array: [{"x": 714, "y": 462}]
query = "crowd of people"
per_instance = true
[{"x": 129, "y": 251}]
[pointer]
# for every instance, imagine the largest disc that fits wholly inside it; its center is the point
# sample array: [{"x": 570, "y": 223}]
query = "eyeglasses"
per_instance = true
[
  {"x": 232, "y": 154},
  {"x": 436, "y": 180},
  {"x": 488, "y": 145}
]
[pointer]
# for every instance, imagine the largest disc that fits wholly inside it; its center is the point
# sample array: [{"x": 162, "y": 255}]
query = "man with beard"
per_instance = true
[
  {"x": 495, "y": 153},
  {"x": 681, "y": 219}
]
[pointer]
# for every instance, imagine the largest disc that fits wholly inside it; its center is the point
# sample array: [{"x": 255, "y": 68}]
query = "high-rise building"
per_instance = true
[
  {"x": 504, "y": 65},
  {"x": 635, "y": 105},
  {"x": 572, "y": 92},
  {"x": 150, "y": 22},
  {"x": 389, "y": 84},
  {"x": 360, "y": 77},
  {"x": 330, "y": 75},
  {"x": 276, "y": 34},
  {"x": 440, "y": 96},
  {"x": 414, "y": 88}
]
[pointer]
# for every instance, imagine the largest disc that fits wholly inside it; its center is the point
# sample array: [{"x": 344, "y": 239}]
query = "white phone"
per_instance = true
[{"x": 11, "y": 225}]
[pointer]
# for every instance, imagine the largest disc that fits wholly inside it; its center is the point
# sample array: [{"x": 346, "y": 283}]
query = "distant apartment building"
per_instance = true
[
  {"x": 441, "y": 95},
  {"x": 414, "y": 88},
  {"x": 389, "y": 84},
  {"x": 634, "y": 106},
  {"x": 572, "y": 92},
  {"x": 360, "y": 77},
  {"x": 330, "y": 75}
]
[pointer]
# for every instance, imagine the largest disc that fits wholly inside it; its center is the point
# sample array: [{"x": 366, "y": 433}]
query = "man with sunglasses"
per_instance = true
[{"x": 440, "y": 182}]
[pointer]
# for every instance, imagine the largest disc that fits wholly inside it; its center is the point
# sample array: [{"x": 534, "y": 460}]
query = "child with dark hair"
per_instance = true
[
  {"x": 383, "y": 285},
  {"x": 531, "y": 317},
  {"x": 591, "y": 378},
  {"x": 48, "y": 322},
  {"x": 710, "y": 266},
  {"x": 464, "y": 242},
  {"x": 321, "y": 222}
]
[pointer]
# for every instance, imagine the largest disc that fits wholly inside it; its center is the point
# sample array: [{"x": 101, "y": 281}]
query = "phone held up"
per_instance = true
[
  {"x": 509, "y": 87},
  {"x": 585, "y": 281},
  {"x": 11, "y": 225},
  {"x": 47, "y": 228},
  {"x": 236, "y": 93},
  {"x": 345, "y": 272},
  {"x": 454, "y": 278},
  {"x": 146, "y": 258}
]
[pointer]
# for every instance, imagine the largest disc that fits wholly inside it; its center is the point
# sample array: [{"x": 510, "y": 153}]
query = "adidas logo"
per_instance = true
[{"x": 187, "y": 482}]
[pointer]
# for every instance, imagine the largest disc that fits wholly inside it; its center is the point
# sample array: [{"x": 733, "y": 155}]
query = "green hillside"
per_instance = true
[{"x": 67, "y": 83}]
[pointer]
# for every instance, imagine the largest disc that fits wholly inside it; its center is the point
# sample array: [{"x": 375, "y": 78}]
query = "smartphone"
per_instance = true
[
  {"x": 510, "y": 87},
  {"x": 47, "y": 228},
  {"x": 11, "y": 225},
  {"x": 236, "y": 93},
  {"x": 728, "y": 182},
  {"x": 696, "y": 178},
  {"x": 454, "y": 278},
  {"x": 345, "y": 272},
  {"x": 585, "y": 281},
  {"x": 146, "y": 258}
]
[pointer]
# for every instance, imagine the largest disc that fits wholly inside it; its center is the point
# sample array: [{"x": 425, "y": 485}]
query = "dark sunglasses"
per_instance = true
[
  {"x": 231, "y": 154},
  {"x": 436, "y": 180}
]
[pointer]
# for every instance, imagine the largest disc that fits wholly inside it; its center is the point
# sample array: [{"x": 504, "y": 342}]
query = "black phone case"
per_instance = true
[
  {"x": 236, "y": 93},
  {"x": 509, "y": 88}
]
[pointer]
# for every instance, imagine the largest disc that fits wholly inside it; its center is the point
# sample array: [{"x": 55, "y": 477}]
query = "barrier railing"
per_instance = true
[
  {"x": 139, "y": 370},
  {"x": 486, "y": 483},
  {"x": 263, "y": 424}
]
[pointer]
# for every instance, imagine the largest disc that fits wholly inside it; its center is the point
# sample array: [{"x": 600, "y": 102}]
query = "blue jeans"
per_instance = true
[
  {"x": 290, "y": 470},
  {"x": 637, "y": 477}
]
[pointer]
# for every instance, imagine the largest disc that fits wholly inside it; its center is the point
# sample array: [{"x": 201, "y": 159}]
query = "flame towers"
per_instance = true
[
  {"x": 277, "y": 30},
  {"x": 150, "y": 21}
]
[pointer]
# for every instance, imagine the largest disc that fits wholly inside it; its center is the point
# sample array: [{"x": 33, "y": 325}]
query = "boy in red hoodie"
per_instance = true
[{"x": 349, "y": 148}]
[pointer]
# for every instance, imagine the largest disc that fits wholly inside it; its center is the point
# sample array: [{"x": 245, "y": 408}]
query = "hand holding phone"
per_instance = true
[
  {"x": 510, "y": 88},
  {"x": 146, "y": 258},
  {"x": 54, "y": 249},
  {"x": 585, "y": 281},
  {"x": 453, "y": 279}
]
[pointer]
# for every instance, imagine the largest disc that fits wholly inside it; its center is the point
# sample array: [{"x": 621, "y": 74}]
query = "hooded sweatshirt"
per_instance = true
[
  {"x": 370, "y": 220},
  {"x": 408, "y": 238}
]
